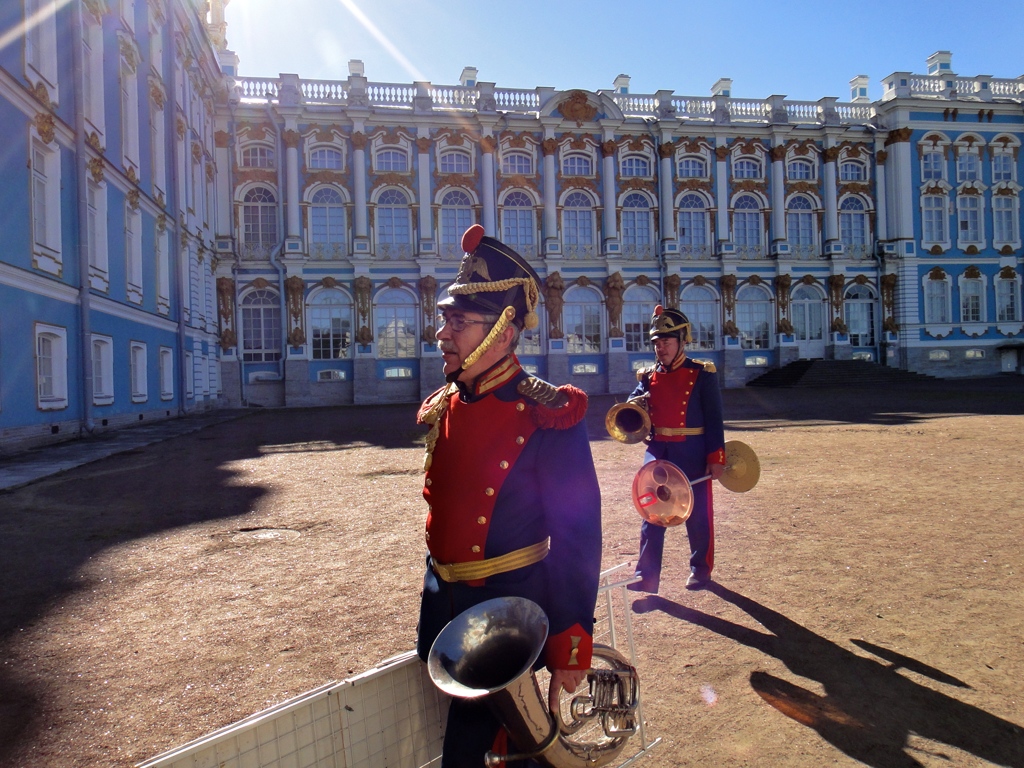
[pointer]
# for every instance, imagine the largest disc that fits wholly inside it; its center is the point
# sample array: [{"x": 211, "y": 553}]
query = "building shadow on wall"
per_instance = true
[{"x": 869, "y": 709}]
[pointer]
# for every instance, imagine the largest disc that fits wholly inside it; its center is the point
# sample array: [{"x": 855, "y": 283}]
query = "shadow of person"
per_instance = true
[{"x": 869, "y": 709}]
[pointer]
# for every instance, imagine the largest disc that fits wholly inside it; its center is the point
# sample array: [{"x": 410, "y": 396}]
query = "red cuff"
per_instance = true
[
  {"x": 718, "y": 457},
  {"x": 571, "y": 649}
]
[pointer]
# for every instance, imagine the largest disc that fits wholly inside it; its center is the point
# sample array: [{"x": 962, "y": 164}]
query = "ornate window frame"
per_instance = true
[
  {"x": 578, "y": 146},
  {"x": 329, "y": 249},
  {"x": 166, "y": 373},
  {"x": 313, "y": 300},
  {"x": 812, "y": 213},
  {"x": 450, "y": 242},
  {"x": 694, "y": 149},
  {"x": 1010, "y": 277},
  {"x": 803, "y": 162},
  {"x": 639, "y": 244},
  {"x": 402, "y": 351},
  {"x": 264, "y": 353},
  {"x": 133, "y": 252},
  {"x": 937, "y": 284},
  {"x": 967, "y": 194},
  {"x": 748, "y": 249},
  {"x": 638, "y": 303},
  {"x": 40, "y": 39},
  {"x": 973, "y": 277},
  {"x": 393, "y": 248},
  {"x": 583, "y": 297},
  {"x": 693, "y": 250},
  {"x": 526, "y": 249},
  {"x": 44, "y": 202},
  {"x": 584, "y": 247},
  {"x": 936, "y": 190},
  {"x": 102, "y": 353},
  {"x": 935, "y": 142},
  {"x": 138, "y": 371},
  {"x": 871, "y": 301},
  {"x": 54, "y": 367},
  {"x": 695, "y": 318},
  {"x": 762, "y": 290},
  {"x": 245, "y": 243},
  {"x": 522, "y": 144}
]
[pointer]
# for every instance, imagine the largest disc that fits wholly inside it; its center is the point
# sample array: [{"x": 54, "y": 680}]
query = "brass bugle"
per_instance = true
[{"x": 629, "y": 422}]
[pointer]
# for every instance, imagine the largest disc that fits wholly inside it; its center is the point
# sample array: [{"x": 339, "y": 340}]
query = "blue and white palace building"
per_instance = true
[{"x": 179, "y": 237}]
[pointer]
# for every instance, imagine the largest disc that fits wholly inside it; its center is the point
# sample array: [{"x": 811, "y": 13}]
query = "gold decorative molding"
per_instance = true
[
  {"x": 521, "y": 182},
  {"x": 1007, "y": 273},
  {"x": 197, "y": 152},
  {"x": 156, "y": 93},
  {"x": 721, "y": 153},
  {"x": 291, "y": 139},
  {"x": 549, "y": 147},
  {"x": 577, "y": 108},
  {"x": 42, "y": 94},
  {"x": 854, "y": 187},
  {"x": 666, "y": 150},
  {"x": 93, "y": 140},
  {"x": 553, "y": 289},
  {"x": 181, "y": 127},
  {"x": 488, "y": 145},
  {"x": 728, "y": 287},
  {"x": 899, "y": 136},
  {"x": 830, "y": 155},
  {"x": 580, "y": 142},
  {"x": 613, "y": 289},
  {"x": 751, "y": 185},
  {"x": 804, "y": 187},
  {"x": 936, "y": 250},
  {"x": 45, "y": 127},
  {"x": 972, "y": 272},
  {"x": 634, "y": 183},
  {"x": 256, "y": 131},
  {"x": 671, "y": 285},
  {"x": 323, "y": 177},
  {"x": 423, "y": 144},
  {"x": 133, "y": 198},
  {"x": 937, "y": 273},
  {"x": 972, "y": 250},
  {"x": 131, "y": 175},
  {"x": 359, "y": 140},
  {"x": 575, "y": 182},
  {"x": 427, "y": 286},
  {"x": 777, "y": 153},
  {"x": 96, "y": 169},
  {"x": 246, "y": 175},
  {"x": 881, "y": 156},
  {"x": 608, "y": 148},
  {"x": 260, "y": 283}
]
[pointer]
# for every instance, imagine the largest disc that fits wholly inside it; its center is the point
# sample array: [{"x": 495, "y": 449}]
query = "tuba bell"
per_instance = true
[
  {"x": 629, "y": 422},
  {"x": 488, "y": 652}
]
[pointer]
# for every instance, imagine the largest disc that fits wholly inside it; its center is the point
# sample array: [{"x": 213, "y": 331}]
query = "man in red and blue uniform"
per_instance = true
[
  {"x": 514, "y": 507},
  {"x": 685, "y": 405}
]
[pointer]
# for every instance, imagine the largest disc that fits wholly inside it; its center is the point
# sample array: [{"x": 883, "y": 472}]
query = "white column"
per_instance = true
[
  {"x": 426, "y": 195},
  {"x": 487, "y": 177},
  {"x": 359, "y": 179},
  {"x": 608, "y": 193},
  {"x": 292, "y": 170},
  {"x": 722, "y": 189},
  {"x": 668, "y": 224},
  {"x": 901, "y": 203},
  {"x": 778, "y": 193},
  {"x": 829, "y": 192},
  {"x": 550, "y": 213},
  {"x": 881, "y": 228}
]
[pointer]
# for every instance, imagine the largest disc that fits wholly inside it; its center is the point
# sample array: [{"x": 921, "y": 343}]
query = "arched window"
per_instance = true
[
  {"x": 392, "y": 219},
  {"x": 800, "y": 170},
  {"x": 581, "y": 320},
  {"x": 638, "y": 305},
  {"x": 859, "y": 308},
  {"x": 577, "y": 165},
  {"x": 806, "y": 311},
  {"x": 853, "y": 227},
  {"x": 693, "y": 168},
  {"x": 800, "y": 227},
  {"x": 261, "y": 326},
  {"x": 392, "y": 160},
  {"x": 636, "y": 225},
  {"x": 325, "y": 158},
  {"x": 517, "y": 225},
  {"x": 578, "y": 224},
  {"x": 698, "y": 304},
  {"x": 852, "y": 170},
  {"x": 330, "y": 324},
  {"x": 753, "y": 317},
  {"x": 257, "y": 156},
  {"x": 932, "y": 165},
  {"x": 517, "y": 164},
  {"x": 456, "y": 218},
  {"x": 396, "y": 324},
  {"x": 746, "y": 169},
  {"x": 934, "y": 218},
  {"x": 693, "y": 225},
  {"x": 454, "y": 161},
  {"x": 327, "y": 222},
  {"x": 259, "y": 222},
  {"x": 634, "y": 165},
  {"x": 746, "y": 223}
]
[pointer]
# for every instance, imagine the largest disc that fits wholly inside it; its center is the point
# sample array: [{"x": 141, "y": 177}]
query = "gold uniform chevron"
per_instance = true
[{"x": 542, "y": 392}]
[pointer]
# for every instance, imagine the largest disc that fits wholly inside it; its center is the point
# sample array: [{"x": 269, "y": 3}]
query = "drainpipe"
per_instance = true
[
  {"x": 280, "y": 246},
  {"x": 170, "y": 131},
  {"x": 84, "y": 233},
  {"x": 235, "y": 264}
]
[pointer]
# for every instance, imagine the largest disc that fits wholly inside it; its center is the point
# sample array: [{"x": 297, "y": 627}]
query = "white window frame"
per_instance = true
[
  {"x": 455, "y": 216},
  {"x": 1007, "y": 291},
  {"x": 163, "y": 271},
  {"x": 636, "y": 229},
  {"x": 520, "y": 232},
  {"x": 138, "y": 371},
  {"x": 260, "y": 230},
  {"x": 518, "y": 156},
  {"x": 54, "y": 367},
  {"x": 133, "y": 252},
  {"x": 574, "y": 157},
  {"x": 457, "y": 157},
  {"x": 638, "y": 303},
  {"x": 942, "y": 217},
  {"x": 41, "y": 43},
  {"x": 383, "y": 160},
  {"x": 703, "y": 317},
  {"x": 977, "y": 287},
  {"x": 128, "y": 84},
  {"x": 326, "y": 218},
  {"x": 96, "y": 232},
  {"x": 314, "y": 162},
  {"x": 393, "y": 224},
  {"x": 807, "y": 164},
  {"x": 740, "y": 164},
  {"x": 938, "y": 319},
  {"x": 844, "y": 175},
  {"x": 968, "y": 166},
  {"x": 579, "y": 303},
  {"x": 44, "y": 197},
  {"x": 577, "y": 238},
  {"x": 254, "y": 305},
  {"x": 757, "y": 215},
  {"x": 257, "y": 155},
  {"x": 190, "y": 385},
  {"x": 851, "y": 308},
  {"x": 747, "y": 310},
  {"x": 1011, "y": 216},
  {"x": 684, "y": 173},
  {"x": 102, "y": 355},
  {"x": 322, "y": 305},
  {"x": 801, "y": 226},
  {"x": 631, "y": 164},
  {"x": 966, "y": 237},
  {"x": 926, "y": 163},
  {"x": 94, "y": 81},
  {"x": 404, "y": 316},
  {"x": 166, "y": 373}
]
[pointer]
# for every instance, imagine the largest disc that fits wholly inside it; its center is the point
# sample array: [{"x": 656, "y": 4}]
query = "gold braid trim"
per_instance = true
[
  {"x": 433, "y": 418},
  {"x": 529, "y": 287}
]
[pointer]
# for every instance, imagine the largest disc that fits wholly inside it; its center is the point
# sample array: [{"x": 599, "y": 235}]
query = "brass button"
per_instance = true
[
  {"x": 429, "y": 482},
  {"x": 520, "y": 440},
  {"x": 482, "y": 520},
  {"x": 520, "y": 407},
  {"x": 428, "y": 535},
  {"x": 503, "y": 465},
  {"x": 489, "y": 491},
  {"x": 476, "y": 548}
]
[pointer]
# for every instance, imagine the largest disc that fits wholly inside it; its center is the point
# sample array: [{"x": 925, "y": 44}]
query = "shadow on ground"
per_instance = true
[{"x": 869, "y": 709}]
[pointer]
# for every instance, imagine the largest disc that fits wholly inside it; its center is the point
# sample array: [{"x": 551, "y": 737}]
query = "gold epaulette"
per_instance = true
[
  {"x": 709, "y": 367},
  {"x": 542, "y": 392},
  {"x": 641, "y": 372}
]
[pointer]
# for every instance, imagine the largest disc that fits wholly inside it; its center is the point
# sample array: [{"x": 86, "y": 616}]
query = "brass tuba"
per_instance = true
[
  {"x": 629, "y": 422},
  {"x": 489, "y": 651}
]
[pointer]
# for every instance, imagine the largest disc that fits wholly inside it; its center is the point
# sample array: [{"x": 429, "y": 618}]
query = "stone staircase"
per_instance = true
[{"x": 837, "y": 373}]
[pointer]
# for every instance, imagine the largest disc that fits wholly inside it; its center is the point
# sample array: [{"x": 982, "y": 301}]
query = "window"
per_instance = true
[
  {"x": 938, "y": 354},
  {"x": 96, "y": 233},
  {"x": 968, "y": 168},
  {"x": 455, "y": 161},
  {"x": 138, "y": 372},
  {"x": 577, "y": 220},
  {"x": 693, "y": 222},
  {"x": 456, "y": 218},
  {"x": 517, "y": 221},
  {"x": 931, "y": 165},
  {"x": 1002, "y": 168},
  {"x": 396, "y": 324},
  {"x": 392, "y": 160},
  {"x": 852, "y": 171},
  {"x": 971, "y": 301},
  {"x": 969, "y": 217},
  {"x": 637, "y": 307},
  {"x": 1004, "y": 219},
  {"x": 46, "y": 218},
  {"x": 189, "y": 377},
  {"x": 636, "y": 222},
  {"x": 393, "y": 218},
  {"x": 806, "y": 313},
  {"x": 258, "y": 156},
  {"x": 581, "y": 317},
  {"x": 693, "y": 168},
  {"x": 102, "y": 370},
  {"x": 934, "y": 218},
  {"x": 517, "y": 164},
  {"x": 330, "y": 323},
  {"x": 974, "y": 354},
  {"x": 325, "y": 158},
  {"x": 860, "y": 315},
  {"x": 746, "y": 169},
  {"x": 577, "y": 165},
  {"x": 584, "y": 368},
  {"x": 398, "y": 373},
  {"x": 1007, "y": 300},
  {"x": 51, "y": 367},
  {"x": 936, "y": 302},
  {"x": 133, "y": 252},
  {"x": 747, "y": 222},
  {"x": 853, "y": 222},
  {"x": 333, "y": 374},
  {"x": 698, "y": 303},
  {"x": 327, "y": 219},
  {"x": 800, "y": 224},
  {"x": 41, "y": 40},
  {"x": 166, "y": 373},
  {"x": 753, "y": 317},
  {"x": 636, "y": 166},
  {"x": 129, "y": 114},
  {"x": 163, "y": 272},
  {"x": 259, "y": 221},
  {"x": 93, "y": 80},
  {"x": 800, "y": 170},
  {"x": 261, "y": 327}
]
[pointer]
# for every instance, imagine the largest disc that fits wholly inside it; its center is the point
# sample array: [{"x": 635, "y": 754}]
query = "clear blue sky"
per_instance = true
[{"x": 804, "y": 50}]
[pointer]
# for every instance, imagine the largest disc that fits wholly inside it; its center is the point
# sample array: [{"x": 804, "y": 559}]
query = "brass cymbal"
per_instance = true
[
  {"x": 742, "y": 468},
  {"x": 662, "y": 493}
]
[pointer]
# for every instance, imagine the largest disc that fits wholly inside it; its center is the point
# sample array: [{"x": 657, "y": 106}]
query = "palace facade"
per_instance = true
[{"x": 180, "y": 236}]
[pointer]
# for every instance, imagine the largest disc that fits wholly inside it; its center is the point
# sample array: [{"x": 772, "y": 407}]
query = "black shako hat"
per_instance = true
[
  {"x": 493, "y": 278},
  {"x": 670, "y": 323}
]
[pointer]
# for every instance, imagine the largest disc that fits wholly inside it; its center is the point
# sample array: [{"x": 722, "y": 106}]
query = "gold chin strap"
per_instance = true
[{"x": 503, "y": 320}]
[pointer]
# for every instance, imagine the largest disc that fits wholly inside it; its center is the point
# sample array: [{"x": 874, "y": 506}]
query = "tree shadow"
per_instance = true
[{"x": 869, "y": 709}]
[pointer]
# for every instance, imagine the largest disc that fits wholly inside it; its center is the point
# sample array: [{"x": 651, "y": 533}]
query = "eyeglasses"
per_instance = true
[{"x": 458, "y": 323}]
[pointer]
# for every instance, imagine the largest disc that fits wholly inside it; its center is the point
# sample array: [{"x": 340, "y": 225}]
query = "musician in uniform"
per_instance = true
[
  {"x": 685, "y": 407},
  {"x": 514, "y": 507}
]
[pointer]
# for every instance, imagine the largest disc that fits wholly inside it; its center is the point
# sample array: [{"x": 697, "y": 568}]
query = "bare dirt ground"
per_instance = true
[{"x": 867, "y": 607}]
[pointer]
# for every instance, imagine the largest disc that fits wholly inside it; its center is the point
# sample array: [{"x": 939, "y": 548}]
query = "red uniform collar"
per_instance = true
[
  {"x": 488, "y": 381},
  {"x": 675, "y": 365}
]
